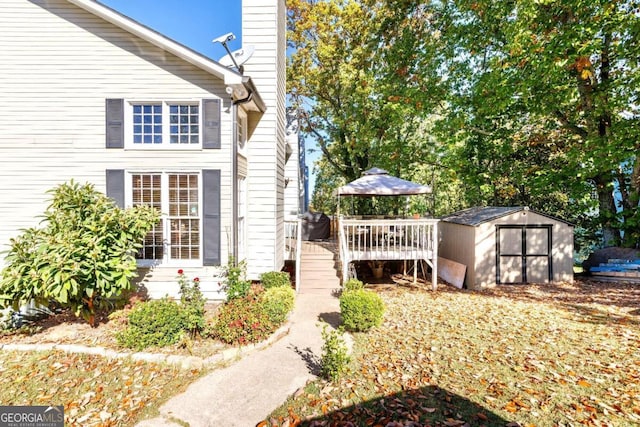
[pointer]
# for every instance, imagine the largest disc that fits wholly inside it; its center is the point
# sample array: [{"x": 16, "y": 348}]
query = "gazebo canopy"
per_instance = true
[{"x": 378, "y": 182}]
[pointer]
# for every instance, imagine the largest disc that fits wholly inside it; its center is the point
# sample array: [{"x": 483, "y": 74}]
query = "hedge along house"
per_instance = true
[
  {"x": 500, "y": 245},
  {"x": 91, "y": 95}
]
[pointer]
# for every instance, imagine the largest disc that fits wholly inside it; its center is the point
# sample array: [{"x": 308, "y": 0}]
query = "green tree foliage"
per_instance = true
[
  {"x": 527, "y": 102},
  {"x": 543, "y": 109},
  {"x": 82, "y": 255},
  {"x": 364, "y": 76}
]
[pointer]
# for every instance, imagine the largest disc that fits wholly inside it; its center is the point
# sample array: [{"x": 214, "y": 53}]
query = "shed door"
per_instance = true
[{"x": 523, "y": 254}]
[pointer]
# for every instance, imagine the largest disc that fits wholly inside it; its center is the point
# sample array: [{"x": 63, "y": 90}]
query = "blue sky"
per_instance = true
[{"x": 194, "y": 23}]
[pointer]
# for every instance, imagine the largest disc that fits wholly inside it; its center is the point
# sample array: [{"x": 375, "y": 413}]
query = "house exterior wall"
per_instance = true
[
  {"x": 294, "y": 176},
  {"x": 476, "y": 246},
  {"x": 58, "y": 64},
  {"x": 264, "y": 27}
]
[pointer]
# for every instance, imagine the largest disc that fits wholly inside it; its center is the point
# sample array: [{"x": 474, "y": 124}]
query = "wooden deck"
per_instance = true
[{"x": 388, "y": 239}]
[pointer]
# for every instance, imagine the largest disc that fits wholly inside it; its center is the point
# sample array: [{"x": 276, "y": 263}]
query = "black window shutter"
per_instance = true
[
  {"x": 211, "y": 132},
  {"x": 114, "y": 123},
  {"x": 211, "y": 217},
  {"x": 115, "y": 185}
]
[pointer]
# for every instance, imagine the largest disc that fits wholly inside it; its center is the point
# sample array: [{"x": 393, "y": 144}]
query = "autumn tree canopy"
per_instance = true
[{"x": 529, "y": 102}]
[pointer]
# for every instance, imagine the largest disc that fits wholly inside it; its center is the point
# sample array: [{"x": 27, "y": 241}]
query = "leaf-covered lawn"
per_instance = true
[
  {"x": 94, "y": 390},
  {"x": 535, "y": 356}
]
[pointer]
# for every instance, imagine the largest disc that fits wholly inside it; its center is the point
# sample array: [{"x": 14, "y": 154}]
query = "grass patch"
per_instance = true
[
  {"x": 456, "y": 357},
  {"x": 93, "y": 390}
]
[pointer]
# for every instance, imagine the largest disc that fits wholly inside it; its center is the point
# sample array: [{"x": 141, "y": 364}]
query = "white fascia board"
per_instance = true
[{"x": 227, "y": 75}]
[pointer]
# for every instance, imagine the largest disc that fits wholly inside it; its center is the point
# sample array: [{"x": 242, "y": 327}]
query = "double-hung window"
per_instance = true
[
  {"x": 176, "y": 237},
  {"x": 189, "y": 232},
  {"x": 164, "y": 125}
]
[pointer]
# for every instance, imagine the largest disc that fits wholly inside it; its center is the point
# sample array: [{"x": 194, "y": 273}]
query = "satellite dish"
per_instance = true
[{"x": 237, "y": 57}]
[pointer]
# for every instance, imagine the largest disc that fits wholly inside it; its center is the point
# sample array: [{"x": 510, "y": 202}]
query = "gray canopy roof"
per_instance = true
[{"x": 378, "y": 182}]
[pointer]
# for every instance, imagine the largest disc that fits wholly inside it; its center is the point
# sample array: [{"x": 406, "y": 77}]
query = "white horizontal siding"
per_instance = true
[
  {"x": 162, "y": 282},
  {"x": 58, "y": 64},
  {"x": 263, "y": 27}
]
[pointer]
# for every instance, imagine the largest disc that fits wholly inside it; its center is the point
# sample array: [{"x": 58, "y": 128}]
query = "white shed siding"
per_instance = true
[
  {"x": 475, "y": 246},
  {"x": 264, "y": 27},
  {"x": 561, "y": 246},
  {"x": 58, "y": 64},
  {"x": 485, "y": 248},
  {"x": 457, "y": 243}
]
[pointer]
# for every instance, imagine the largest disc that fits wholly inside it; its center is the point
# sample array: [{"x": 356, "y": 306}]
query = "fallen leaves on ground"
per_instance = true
[
  {"x": 509, "y": 356},
  {"x": 66, "y": 328},
  {"x": 94, "y": 390}
]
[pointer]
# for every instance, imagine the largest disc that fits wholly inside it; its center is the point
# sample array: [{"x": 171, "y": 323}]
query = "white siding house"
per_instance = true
[
  {"x": 263, "y": 26},
  {"x": 91, "y": 95}
]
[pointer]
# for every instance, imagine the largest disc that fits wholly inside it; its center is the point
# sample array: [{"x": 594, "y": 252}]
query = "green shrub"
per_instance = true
[
  {"x": 274, "y": 279},
  {"x": 277, "y": 303},
  {"x": 235, "y": 284},
  {"x": 335, "y": 357},
  {"x": 361, "y": 310},
  {"x": 352, "y": 285},
  {"x": 242, "y": 321},
  {"x": 155, "y": 323},
  {"x": 7, "y": 321},
  {"x": 81, "y": 257},
  {"x": 192, "y": 302}
]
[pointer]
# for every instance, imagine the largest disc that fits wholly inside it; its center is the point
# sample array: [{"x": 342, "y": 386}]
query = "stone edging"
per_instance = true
[{"x": 185, "y": 362}]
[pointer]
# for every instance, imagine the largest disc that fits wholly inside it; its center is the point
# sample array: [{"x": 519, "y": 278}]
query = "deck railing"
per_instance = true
[
  {"x": 389, "y": 239},
  {"x": 293, "y": 245}
]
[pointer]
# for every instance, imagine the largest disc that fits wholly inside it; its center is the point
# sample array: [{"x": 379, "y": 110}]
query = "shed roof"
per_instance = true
[{"x": 481, "y": 214}]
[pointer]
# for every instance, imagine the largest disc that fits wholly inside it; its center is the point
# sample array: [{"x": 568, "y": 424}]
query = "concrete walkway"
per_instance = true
[{"x": 246, "y": 392}]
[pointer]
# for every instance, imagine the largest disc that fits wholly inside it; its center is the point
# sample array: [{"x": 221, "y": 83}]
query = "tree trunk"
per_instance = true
[{"x": 608, "y": 212}]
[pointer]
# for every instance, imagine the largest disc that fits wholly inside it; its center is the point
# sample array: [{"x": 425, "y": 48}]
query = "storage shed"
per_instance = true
[{"x": 501, "y": 245}]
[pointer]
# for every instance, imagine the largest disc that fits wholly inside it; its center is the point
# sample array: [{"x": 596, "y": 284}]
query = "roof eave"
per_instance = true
[
  {"x": 228, "y": 75},
  {"x": 257, "y": 99}
]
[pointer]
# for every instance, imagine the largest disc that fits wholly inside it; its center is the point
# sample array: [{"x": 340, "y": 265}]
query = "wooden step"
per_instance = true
[{"x": 319, "y": 267}]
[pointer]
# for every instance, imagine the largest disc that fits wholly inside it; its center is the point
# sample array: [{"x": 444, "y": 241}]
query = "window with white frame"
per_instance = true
[
  {"x": 176, "y": 238},
  {"x": 164, "y": 124}
]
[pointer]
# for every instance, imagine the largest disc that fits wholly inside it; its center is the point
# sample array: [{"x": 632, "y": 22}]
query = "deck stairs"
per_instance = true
[{"x": 319, "y": 267}]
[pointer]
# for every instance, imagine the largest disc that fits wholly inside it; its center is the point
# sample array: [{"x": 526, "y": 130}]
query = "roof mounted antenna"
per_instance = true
[
  {"x": 237, "y": 58},
  {"x": 223, "y": 40}
]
